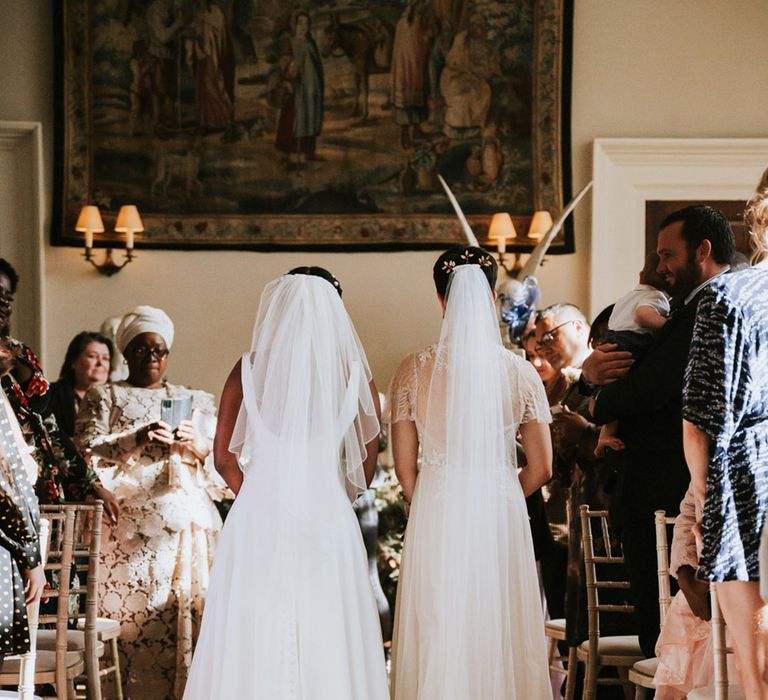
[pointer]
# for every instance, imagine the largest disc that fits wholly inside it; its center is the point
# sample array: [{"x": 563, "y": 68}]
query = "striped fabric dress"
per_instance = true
[{"x": 726, "y": 396}]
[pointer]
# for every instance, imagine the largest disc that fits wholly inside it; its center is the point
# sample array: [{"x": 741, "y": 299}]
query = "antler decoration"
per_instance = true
[
  {"x": 471, "y": 238},
  {"x": 537, "y": 255}
]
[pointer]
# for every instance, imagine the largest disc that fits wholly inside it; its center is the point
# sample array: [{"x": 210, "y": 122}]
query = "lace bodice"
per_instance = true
[
  {"x": 409, "y": 394},
  {"x": 108, "y": 423}
]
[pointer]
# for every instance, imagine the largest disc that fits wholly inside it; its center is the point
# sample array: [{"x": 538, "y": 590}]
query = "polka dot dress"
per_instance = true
[{"x": 19, "y": 544}]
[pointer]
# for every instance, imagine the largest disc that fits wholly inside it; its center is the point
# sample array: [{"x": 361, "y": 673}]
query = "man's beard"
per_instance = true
[{"x": 685, "y": 281}]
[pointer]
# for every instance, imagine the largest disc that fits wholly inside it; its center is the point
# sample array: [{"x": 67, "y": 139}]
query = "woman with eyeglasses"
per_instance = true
[{"x": 157, "y": 556}]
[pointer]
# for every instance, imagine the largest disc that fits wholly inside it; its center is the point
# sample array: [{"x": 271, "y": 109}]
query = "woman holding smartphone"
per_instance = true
[{"x": 157, "y": 556}]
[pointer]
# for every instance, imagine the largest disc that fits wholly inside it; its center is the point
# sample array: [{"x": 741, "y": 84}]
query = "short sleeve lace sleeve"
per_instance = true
[
  {"x": 402, "y": 393},
  {"x": 531, "y": 403}
]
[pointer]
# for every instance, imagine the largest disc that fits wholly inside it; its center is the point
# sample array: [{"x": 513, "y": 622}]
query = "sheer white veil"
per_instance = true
[
  {"x": 470, "y": 411},
  {"x": 470, "y": 379},
  {"x": 307, "y": 410}
]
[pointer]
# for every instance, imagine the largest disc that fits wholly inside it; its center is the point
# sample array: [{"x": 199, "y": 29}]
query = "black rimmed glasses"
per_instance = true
[
  {"x": 143, "y": 351},
  {"x": 549, "y": 337}
]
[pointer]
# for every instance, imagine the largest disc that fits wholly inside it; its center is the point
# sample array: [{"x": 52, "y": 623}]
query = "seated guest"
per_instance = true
[
  {"x": 552, "y": 379},
  {"x": 63, "y": 475},
  {"x": 118, "y": 370},
  {"x": 86, "y": 364},
  {"x": 562, "y": 334},
  {"x": 157, "y": 556},
  {"x": 21, "y": 573}
]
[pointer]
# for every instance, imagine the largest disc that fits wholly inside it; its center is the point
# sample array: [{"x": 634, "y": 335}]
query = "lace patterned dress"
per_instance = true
[
  {"x": 490, "y": 647},
  {"x": 157, "y": 558}
]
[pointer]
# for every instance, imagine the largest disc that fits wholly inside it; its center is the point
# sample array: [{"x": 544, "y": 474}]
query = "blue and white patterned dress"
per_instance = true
[{"x": 726, "y": 396}]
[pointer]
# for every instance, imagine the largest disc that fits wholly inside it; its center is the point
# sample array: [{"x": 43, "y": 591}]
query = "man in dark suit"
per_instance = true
[{"x": 695, "y": 246}]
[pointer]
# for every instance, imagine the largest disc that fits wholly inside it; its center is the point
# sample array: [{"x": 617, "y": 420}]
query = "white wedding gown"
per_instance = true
[
  {"x": 291, "y": 622},
  {"x": 469, "y": 623},
  {"x": 290, "y": 613}
]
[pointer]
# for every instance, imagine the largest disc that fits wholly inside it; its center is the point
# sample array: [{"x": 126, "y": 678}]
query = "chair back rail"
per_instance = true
[
  {"x": 662, "y": 522},
  {"x": 87, "y": 557}
]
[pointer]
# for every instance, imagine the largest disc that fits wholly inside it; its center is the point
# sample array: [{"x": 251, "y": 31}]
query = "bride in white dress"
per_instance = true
[
  {"x": 290, "y": 613},
  {"x": 468, "y": 623}
]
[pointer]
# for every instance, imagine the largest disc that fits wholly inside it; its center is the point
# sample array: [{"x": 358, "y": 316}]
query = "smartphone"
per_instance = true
[{"x": 176, "y": 409}]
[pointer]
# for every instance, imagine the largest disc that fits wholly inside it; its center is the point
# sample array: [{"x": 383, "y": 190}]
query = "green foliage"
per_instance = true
[{"x": 392, "y": 520}]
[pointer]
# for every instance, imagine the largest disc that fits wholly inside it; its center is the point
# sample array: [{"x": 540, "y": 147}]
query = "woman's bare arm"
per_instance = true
[
  {"x": 537, "y": 445},
  {"x": 229, "y": 407},
  {"x": 696, "y": 444},
  {"x": 372, "y": 448},
  {"x": 405, "y": 450}
]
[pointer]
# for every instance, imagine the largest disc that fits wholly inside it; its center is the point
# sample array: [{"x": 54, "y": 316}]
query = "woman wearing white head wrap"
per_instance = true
[
  {"x": 158, "y": 553},
  {"x": 291, "y": 613},
  {"x": 468, "y": 621},
  {"x": 144, "y": 319}
]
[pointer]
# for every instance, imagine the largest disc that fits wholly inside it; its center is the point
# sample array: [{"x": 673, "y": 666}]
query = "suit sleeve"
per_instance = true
[{"x": 656, "y": 380}]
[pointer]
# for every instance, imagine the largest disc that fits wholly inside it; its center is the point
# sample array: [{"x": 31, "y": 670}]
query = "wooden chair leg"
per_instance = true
[
  {"x": 117, "y": 678},
  {"x": 626, "y": 684},
  {"x": 71, "y": 692},
  {"x": 552, "y": 651},
  {"x": 641, "y": 693},
  {"x": 570, "y": 679},
  {"x": 590, "y": 679}
]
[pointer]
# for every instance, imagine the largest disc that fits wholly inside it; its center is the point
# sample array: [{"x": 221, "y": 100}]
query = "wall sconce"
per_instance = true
[
  {"x": 540, "y": 224},
  {"x": 128, "y": 222},
  {"x": 502, "y": 230}
]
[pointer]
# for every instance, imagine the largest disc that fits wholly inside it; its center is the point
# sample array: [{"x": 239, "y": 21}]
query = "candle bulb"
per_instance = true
[
  {"x": 502, "y": 244},
  {"x": 89, "y": 239},
  {"x": 129, "y": 240}
]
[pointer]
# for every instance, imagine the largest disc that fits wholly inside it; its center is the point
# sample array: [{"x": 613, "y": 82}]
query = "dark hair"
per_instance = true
[
  {"x": 7, "y": 269},
  {"x": 76, "y": 346},
  {"x": 600, "y": 320},
  {"x": 702, "y": 222},
  {"x": 463, "y": 255},
  {"x": 316, "y": 271},
  {"x": 650, "y": 276}
]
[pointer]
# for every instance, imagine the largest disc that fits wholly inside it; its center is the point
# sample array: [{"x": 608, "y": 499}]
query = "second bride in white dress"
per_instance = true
[
  {"x": 469, "y": 623},
  {"x": 290, "y": 613}
]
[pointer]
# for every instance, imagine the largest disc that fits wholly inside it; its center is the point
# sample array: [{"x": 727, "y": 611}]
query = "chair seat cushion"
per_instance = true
[
  {"x": 620, "y": 645},
  {"x": 734, "y": 693},
  {"x": 555, "y": 628},
  {"x": 105, "y": 627},
  {"x": 646, "y": 667},
  {"x": 46, "y": 641},
  {"x": 45, "y": 662}
]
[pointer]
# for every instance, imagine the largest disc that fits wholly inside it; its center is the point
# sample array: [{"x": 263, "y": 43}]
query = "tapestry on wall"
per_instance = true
[{"x": 314, "y": 124}]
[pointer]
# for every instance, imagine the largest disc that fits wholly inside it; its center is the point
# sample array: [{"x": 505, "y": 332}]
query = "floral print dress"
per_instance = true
[
  {"x": 156, "y": 559},
  {"x": 63, "y": 473}
]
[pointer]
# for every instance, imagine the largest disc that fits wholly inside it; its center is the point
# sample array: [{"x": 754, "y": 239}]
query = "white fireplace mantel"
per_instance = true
[{"x": 629, "y": 172}]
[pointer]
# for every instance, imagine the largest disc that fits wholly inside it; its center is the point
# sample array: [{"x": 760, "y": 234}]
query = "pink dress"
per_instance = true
[{"x": 684, "y": 648}]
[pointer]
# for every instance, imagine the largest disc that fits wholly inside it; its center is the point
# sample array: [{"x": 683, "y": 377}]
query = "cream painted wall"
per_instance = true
[{"x": 649, "y": 68}]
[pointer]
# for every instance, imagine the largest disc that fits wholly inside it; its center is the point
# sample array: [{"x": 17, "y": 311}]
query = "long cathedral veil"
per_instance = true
[{"x": 472, "y": 405}]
